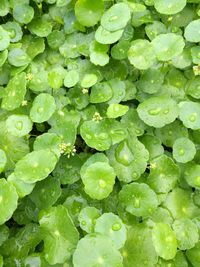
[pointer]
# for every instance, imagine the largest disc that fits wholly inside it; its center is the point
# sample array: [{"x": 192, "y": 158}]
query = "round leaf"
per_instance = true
[
  {"x": 138, "y": 199},
  {"x": 8, "y": 200},
  {"x": 116, "y": 17},
  {"x": 158, "y": 111},
  {"x": 111, "y": 226},
  {"x": 164, "y": 241},
  {"x": 104, "y": 253},
  {"x": 192, "y": 31},
  {"x": 189, "y": 114},
  {"x": 106, "y": 37},
  {"x": 43, "y": 108},
  {"x": 167, "y": 46},
  {"x": 169, "y": 7},
  {"x": 183, "y": 150},
  {"x": 18, "y": 125},
  {"x": 35, "y": 166},
  {"x": 89, "y": 13},
  {"x": 141, "y": 54}
]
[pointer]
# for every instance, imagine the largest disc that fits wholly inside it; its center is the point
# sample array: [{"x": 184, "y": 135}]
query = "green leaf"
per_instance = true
[
  {"x": 89, "y": 13},
  {"x": 179, "y": 202},
  {"x": 193, "y": 88},
  {"x": 192, "y": 174},
  {"x": 4, "y": 7},
  {"x": 4, "y": 39},
  {"x": 23, "y": 189},
  {"x": 183, "y": 150},
  {"x": 104, "y": 253},
  {"x": 153, "y": 145},
  {"x": 46, "y": 193},
  {"x": 116, "y": 110},
  {"x": 116, "y": 17},
  {"x": 41, "y": 26},
  {"x": 14, "y": 92},
  {"x": 35, "y": 166},
  {"x": 111, "y": 226},
  {"x": 138, "y": 199},
  {"x": 8, "y": 200},
  {"x": 158, "y": 111},
  {"x": 169, "y": 7},
  {"x": 88, "y": 80},
  {"x": 167, "y": 46},
  {"x": 106, "y": 37},
  {"x": 138, "y": 250},
  {"x": 56, "y": 77},
  {"x": 18, "y": 125},
  {"x": 192, "y": 33},
  {"x": 48, "y": 141},
  {"x": 164, "y": 241},
  {"x": 141, "y": 54},
  {"x": 18, "y": 58},
  {"x": 3, "y": 57},
  {"x": 14, "y": 30},
  {"x": 14, "y": 147},
  {"x": 23, "y": 13},
  {"x": 43, "y": 108},
  {"x": 55, "y": 39},
  {"x": 186, "y": 232},
  {"x": 193, "y": 255},
  {"x": 39, "y": 81},
  {"x": 129, "y": 159},
  {"x": 164, "y": 174},
  {"x": 87, "y": 218},
  {"x": 71, "y": 78},
  {"x": 60, "y": 234},
  {"x": 169, "y": 133},
  {"x": 98, "y": 179},
  {"x": 154, "y": 29},
  {"x": 95, "y": 135},
  {"x": 189, "y": 114},
  {"x": 3, "y": 160},
  {"x": 67, "y": 169},
  {"x": 101, "y": 92}
]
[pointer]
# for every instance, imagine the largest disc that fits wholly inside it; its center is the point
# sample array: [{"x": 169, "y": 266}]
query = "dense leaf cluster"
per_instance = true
[{"x": 100, "y": 133}]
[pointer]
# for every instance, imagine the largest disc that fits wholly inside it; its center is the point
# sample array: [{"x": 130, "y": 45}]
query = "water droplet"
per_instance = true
[
  {"x": 166, "y": 111},
  {"x": 197, "y": 181},
  {"x": 134, "y": 175},
  {"x": 116, "y": 227},
  {"x": 154, "y": 111},
  {"x": 102, "y": 183},
  {"x": 19, "y": 125},
  {"x": 88, "y": 136},
  {"x": 181, "y": 152},
  {"x": 138, "y": 131},
  {"x": 123, "y": 154},
  {"x": 116, "y": 108},
  {"x": 169, "y": 239},
  {"x": 136, "y": 203},
  {"x": 102, "y": 136},
  {"x": 113, "y": 18},
  {"x": 83, "y": 223},
  {"x": 193, "y": 117},
  {"x": 40, "y": 110}
]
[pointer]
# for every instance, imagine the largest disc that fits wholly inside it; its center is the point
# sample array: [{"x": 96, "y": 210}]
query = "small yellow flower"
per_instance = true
[
  {"x": 153, "y": 166},
  {"x": 67, "y": 149},
  {"x": 97, "y": 117},
  {"x": 29, "y": 76},
  {"x": 24, "y": 103},
  {"x": 196, "y": 70},
  {"x": 85, "y": 91}
]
